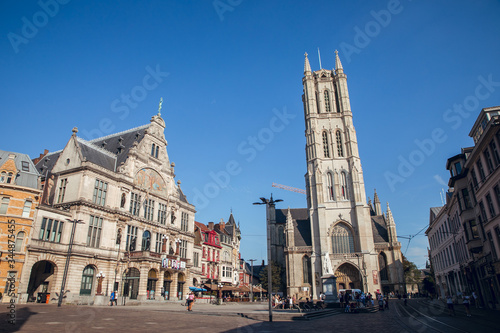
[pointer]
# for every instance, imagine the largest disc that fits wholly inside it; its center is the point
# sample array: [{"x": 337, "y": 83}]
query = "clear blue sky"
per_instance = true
[{"x": 222, "y": 68}]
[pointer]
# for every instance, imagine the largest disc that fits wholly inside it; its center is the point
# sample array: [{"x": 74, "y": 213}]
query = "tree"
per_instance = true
[
  {"x": 275, "y": 277},
  {"x": 412, "y": 274}
]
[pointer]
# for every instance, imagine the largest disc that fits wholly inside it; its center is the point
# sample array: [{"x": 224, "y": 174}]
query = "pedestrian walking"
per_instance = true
[
  {"x": 449, "y": 303},
  {"x": 466, "y": 303},
  {"x": 476, "y": 299},
  {"x": 112, "y": 298}
]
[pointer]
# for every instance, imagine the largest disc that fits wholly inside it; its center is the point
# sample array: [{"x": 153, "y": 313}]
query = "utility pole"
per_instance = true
[
  {"x": 251, "y": 280},
  {"x": 68, "y": 256},
  {"x": 270, "y": 204}
]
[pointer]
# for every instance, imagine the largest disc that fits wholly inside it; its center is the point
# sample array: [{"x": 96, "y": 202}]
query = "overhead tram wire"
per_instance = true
[{"x": 410, "y": 237}]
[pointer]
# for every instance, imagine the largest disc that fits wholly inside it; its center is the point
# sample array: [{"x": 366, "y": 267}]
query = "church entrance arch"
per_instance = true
[
  {"x": 348, "y": 277},
  {"x": 41, "y": 281}
]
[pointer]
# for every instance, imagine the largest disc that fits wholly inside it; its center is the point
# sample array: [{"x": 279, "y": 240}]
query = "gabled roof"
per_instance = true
[
  {"x": 302, "y": 225},
  {"x": 380, "y": 234},
  {"x": 108, "y": 151},
  {"x": 27, "y": 178},
  {"x": 121, "y": 140},
  {"x": 202, "y": 227}
]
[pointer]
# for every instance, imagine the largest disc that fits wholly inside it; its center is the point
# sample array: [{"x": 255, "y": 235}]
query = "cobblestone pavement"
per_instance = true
[{"x": 204, "y": 318}]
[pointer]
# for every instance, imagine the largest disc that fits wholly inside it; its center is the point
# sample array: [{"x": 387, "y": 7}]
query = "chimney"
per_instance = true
[
  {"x": 211, "y": 225},
  {"x": 37, "y": 159},
  {"x": 263, "y": 262},
  {"x": 222, "y": 224}
]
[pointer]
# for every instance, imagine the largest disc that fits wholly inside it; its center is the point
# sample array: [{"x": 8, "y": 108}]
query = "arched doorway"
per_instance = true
[
  {"x": 348, "y": 277},
  {"x": 131, "y": 284},
  {"x": 181, "y": 279},
  {"x": 152, "y": 284},
  {"x": 167, "y": 281},
  {"x": 41, "y": 281}
]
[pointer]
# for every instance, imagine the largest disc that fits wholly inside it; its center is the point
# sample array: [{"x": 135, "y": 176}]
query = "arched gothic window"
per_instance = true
[
  {"x": 343, "y": 186},
  {"x": 306, "y": 270},
  {"x": 382, "y": 263},
  {"x": 326, "y": 149},
  {"x": 153, "y": 148},
  {"x": 327, "y": 101},
  {"x": 342, "y": 239},
  {"x": 87, "y": 280},
  {"x": 146, "y": 240},
  {"x": 330, "y": 187},
  {"x": 340, "y": 149}
]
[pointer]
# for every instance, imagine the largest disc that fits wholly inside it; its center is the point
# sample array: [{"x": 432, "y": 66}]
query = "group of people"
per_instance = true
[
  {"x": 467, "y": 301},
  {"x": 283, "y": 303}
]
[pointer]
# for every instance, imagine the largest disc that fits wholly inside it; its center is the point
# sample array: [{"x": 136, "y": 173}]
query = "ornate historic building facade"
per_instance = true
[
  {"x": 113, "y": 202},
  {"x": 338, "y": 233},
  {"x": 19, "y": 196}
]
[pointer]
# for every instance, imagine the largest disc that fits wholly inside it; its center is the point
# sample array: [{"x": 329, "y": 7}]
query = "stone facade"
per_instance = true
[
  {"x": 464, "y": 234},
  {"x": 115, "y": 203}
]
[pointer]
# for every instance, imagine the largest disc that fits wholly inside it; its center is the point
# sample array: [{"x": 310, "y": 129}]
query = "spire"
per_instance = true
[
  {"x": 338, "y": 64},
  {"x": 376, "y": 201},
  {"x": 307, "y": 67},
  {"x": 391, "y": 226},
  {"x": 390, "y": 219}
]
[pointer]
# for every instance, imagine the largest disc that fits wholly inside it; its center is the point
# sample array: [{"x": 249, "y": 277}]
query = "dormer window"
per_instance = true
[
  {"x": 458, "y": 168},
  {"x": 6, "y": 177}
]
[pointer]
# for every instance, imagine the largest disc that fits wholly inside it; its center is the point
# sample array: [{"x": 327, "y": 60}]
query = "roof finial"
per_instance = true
[
  {"x": 159, "y": 106},
  {"x": 307, "y": 67}
]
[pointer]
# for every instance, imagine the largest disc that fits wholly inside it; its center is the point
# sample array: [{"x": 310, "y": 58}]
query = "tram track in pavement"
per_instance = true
[{"x": 424, "y": 322}]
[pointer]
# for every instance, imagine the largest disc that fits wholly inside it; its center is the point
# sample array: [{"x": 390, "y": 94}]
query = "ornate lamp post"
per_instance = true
[{"x": 270, "y": 204}]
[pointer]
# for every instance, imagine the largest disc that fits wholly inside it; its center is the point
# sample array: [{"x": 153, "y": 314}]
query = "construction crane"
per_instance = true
[{"x": 289, "y": 188}]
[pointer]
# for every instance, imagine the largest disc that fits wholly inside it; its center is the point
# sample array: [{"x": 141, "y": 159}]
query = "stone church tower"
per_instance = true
[{"x": 340, "y": 217}]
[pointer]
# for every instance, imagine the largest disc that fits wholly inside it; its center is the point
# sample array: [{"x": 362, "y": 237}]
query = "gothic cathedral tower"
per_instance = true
[{"x": 340, "y": 219}]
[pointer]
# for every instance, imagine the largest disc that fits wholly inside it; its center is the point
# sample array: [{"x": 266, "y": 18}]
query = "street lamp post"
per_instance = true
[
  {"x": 251, "y": 280},
  {"x": 68, "y": 256},
  {"x": 270, "y": 203}
]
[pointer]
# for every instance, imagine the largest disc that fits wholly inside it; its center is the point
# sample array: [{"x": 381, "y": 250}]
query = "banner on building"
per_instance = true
[
  {"x": 375, "y": 277},
  {"x": 174, "y": 264}
]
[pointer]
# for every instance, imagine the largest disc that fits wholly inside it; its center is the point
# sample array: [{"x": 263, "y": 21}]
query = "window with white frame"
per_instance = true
[
  {"x": 62, "y": 190},
  {"x": 100, "y": 190},
  {"x": 94, "y": 233},
  {"x": 184, "y": 221},
  {"x": 183, "y": 249},
  {"x": 135, "y": 204},
  {"x": 5, "y": 205},
  {"x": 19, "y": 241},
  {"x": 162, "y": 213},
  {"x": 149, "y": 207},
  {"x": 27, "y": 208}
]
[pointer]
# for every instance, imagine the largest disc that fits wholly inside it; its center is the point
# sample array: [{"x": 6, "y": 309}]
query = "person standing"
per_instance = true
[
  {"x": 466, "y": 303},
  {"x": 190, "y": 301},
  {"x": 476, "y": 299},
  {"x": 449, "y": 303}
]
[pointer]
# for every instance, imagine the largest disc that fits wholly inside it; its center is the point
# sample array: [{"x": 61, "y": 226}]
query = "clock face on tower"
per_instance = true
[{"x": 151, "y": 180}]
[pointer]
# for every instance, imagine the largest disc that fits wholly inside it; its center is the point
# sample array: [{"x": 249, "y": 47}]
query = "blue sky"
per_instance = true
[{"x": 418, "y": 73}]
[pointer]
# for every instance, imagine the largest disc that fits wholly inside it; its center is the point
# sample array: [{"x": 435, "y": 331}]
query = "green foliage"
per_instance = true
[
  {"x": 276, "y": 280},
  {"x": 411, "y": 272}
]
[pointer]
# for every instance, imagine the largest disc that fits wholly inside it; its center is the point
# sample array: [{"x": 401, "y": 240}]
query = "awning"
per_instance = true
[{"x": 196, "y": 289}]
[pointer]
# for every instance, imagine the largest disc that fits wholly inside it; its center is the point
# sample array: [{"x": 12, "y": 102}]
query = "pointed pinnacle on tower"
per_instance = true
[
  {"x": 390, "y": 219},
  {"x": 376, "y": 203},
  {"x": 307, "y": 67},
  {"x": 338, "y": 64}
]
